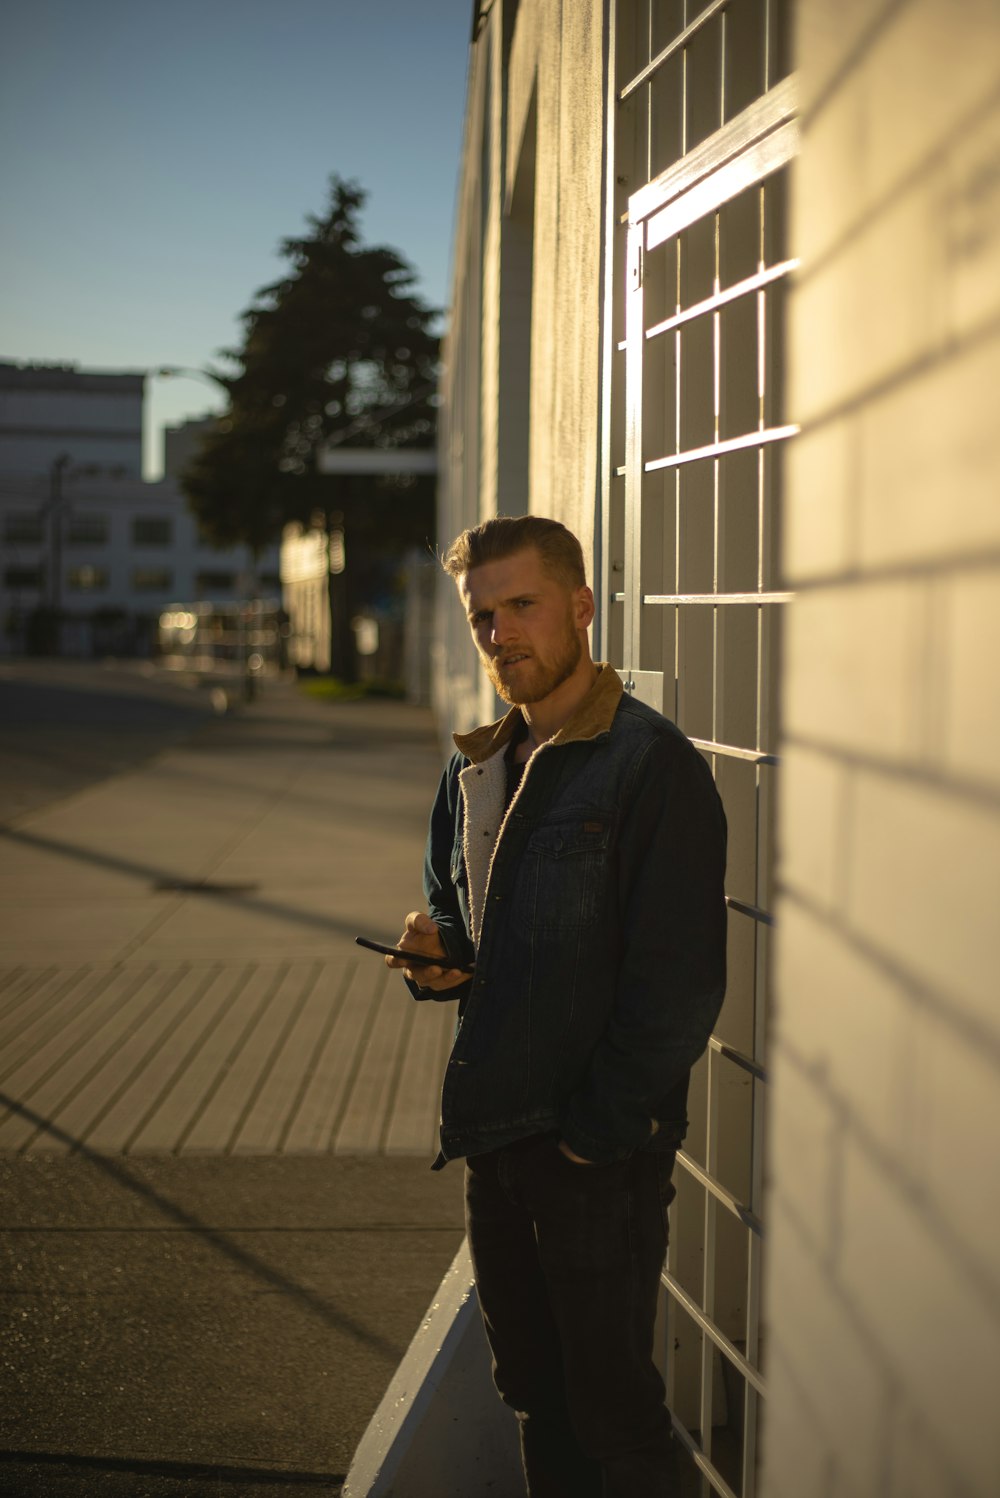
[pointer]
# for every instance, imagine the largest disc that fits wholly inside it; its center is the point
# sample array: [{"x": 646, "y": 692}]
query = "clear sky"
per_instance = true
[{"x": 155, "y": 152}]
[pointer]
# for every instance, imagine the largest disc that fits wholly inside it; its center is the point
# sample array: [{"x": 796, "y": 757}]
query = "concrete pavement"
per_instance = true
[{"x": 218, "y": 1114}]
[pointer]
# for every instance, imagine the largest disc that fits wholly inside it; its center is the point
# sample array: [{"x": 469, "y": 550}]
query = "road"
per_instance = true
[{"x": 65, "y": 725}]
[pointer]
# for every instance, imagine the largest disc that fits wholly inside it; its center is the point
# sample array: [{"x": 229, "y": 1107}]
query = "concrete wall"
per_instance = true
[
  {"x": 525, "y": 300},
  {"x": 883, "y": 1300}
]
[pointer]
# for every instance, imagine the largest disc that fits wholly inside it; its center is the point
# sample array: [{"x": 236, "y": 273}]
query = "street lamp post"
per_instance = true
[
  {"x": 52, "y": 510},
  {"x": 51, "y": 513}
]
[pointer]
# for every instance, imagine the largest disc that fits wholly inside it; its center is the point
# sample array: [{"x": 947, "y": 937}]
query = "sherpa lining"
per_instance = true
[{"x": 484, "y": 781}]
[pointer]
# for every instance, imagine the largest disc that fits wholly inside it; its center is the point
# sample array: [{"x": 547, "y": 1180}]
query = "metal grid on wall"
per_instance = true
[{"x": 702, "y": 132}]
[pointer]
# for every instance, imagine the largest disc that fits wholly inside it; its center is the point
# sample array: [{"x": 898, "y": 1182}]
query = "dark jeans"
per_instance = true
[{"x": 567, "y": 1261}]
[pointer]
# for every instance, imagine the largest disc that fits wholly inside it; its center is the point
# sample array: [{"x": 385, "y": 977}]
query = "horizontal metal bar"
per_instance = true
[
  {"x": 751, "y": 125},
  {"x": 731, "y": 1203},
  {"x": 732, "y": 751},
  {"x": 738, "y": 1058},
  {"x": 753, "y": 911},
  {"x": 701, "y": 1461},
  {"x": 719, "y": 449},
  {"x": 676, "y": 599},
  {"x": 713, "y": 598},
  {"x": 719, "y": 299},
  {"x": 710, "y": 1329},
  {"x": 759, "y": 161},
  {"x": 680, "y": 40}
]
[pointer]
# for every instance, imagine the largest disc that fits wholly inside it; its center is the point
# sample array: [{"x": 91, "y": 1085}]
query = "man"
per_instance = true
[{"x": 576, "y": 856}]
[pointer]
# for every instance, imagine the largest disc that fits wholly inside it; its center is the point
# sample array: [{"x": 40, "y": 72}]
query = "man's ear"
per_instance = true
[{"x": 584, "y": 608}]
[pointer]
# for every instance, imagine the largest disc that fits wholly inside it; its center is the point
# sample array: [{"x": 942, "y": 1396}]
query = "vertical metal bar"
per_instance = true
[
  {"x": 633, "y": 444},
  {"x": 718, "y": 625},
  {"x": 723, "y": 39},
  {"x": 602, "y": 529},
  {"x": 684, "y": 85},
  {"x": 678, "y": 282},
  {"x": 648, "y": 163},
  {"x": 751, "y": 1402},
  {"x": 708, "y": 1353}
]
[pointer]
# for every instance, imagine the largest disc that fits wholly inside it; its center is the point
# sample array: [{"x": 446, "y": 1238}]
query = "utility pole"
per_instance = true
[{"x": 53, "y": 507}]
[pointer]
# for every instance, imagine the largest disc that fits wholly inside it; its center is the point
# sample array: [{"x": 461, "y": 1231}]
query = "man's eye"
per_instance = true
[{"x": 481, "y": 618}]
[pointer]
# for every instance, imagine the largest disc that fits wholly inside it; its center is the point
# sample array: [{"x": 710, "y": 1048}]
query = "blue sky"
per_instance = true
[{"x": 156, "y": 153}]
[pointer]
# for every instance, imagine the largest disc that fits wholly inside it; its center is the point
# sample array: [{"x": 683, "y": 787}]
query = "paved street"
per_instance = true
[
  {"x": 65, "y": 724},
  {"x": 217, "y": 1114}
]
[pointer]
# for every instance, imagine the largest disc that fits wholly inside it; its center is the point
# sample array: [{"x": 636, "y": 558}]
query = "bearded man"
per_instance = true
[{"x": 576, "y": 857}]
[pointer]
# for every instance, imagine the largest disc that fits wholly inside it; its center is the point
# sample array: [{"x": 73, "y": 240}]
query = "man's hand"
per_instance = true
[{"x": 421, "y": 935}]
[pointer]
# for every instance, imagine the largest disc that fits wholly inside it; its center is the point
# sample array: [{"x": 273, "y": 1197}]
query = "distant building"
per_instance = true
[
  {"x": 181, "y": 444},
  {"x": 82, "y": 534},
  {"x": 47, "y": 410}
]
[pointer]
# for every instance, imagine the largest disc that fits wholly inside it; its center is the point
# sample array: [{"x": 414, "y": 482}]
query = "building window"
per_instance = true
[
  {"x": 214, "y": 582},
  {"x": 24, "y": 528},
  {"x": 152, "y": 580},
  {"x": 152, "y": 530},
  {"x": 88, "y": 530},
  {"x": 23, "y": 577},
  {"x": 87, "y": 579}
]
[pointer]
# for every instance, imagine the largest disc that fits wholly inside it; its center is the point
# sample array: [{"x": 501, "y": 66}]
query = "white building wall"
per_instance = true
[
  {"x": 883, "y": 1303},
  {"x": 91, "y": 417},
  {"x": 185, "y": 559}
]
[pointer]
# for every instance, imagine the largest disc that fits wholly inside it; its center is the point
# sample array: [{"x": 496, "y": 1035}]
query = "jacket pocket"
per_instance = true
[{"x": 563, "y": 875}]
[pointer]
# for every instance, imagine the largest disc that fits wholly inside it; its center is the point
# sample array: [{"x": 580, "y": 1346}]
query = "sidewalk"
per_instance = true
[{"x": 216, "y": 1113}]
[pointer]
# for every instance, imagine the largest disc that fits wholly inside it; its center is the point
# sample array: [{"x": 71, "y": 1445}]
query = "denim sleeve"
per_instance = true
[
  {"x": 443, "y": 844},
  {"x": 672, "y": 976}
]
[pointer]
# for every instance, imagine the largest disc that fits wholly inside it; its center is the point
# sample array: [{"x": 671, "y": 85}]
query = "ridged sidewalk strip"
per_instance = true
[{"x": 143, "y": 1012}]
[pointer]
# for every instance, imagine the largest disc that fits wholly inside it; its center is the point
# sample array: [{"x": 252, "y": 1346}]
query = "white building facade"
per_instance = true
[
  {"x": 726, "y": 301},
  {"x": 49, "y": 410},
  {"x": 82, "y": 535}
]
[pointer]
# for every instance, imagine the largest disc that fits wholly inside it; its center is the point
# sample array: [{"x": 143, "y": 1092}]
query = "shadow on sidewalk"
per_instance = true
[
  {"x": 163, "y": 882},
  {"x": 150, "y": 1351},
  {"x": 121, "y": 1176}
]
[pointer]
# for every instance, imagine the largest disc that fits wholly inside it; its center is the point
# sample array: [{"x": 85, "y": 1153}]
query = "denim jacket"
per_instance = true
[{"x": 594, "y": 912}]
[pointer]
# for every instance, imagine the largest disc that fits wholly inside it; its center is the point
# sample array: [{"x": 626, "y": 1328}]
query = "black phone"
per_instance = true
[{"x": 413, "y": 959}]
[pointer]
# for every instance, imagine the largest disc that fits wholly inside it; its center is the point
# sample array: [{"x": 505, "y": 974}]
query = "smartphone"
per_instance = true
[{"x": 413, "y": 959}]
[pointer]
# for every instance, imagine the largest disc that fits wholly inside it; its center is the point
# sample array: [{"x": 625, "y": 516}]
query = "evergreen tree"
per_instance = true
[{"x": 340, "y": 349}]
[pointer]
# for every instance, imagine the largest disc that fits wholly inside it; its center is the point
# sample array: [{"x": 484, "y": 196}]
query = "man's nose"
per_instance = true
[{"x": 502, "y": 630}]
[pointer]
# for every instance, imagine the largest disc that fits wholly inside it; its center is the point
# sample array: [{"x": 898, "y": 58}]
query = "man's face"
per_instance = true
[{"x": 529, "y": 628}]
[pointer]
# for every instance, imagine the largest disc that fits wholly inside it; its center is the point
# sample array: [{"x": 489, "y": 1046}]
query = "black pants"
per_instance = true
[{"x": 567, "y": 1261}]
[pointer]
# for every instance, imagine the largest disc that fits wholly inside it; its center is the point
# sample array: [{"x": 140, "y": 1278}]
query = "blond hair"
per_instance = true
[{"x": 493, "y": 540}]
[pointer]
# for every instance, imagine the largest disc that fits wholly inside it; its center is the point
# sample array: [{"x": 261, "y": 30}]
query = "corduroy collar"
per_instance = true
[{"x": 592, "y": 718}]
